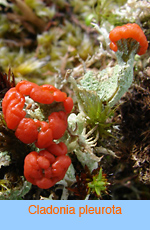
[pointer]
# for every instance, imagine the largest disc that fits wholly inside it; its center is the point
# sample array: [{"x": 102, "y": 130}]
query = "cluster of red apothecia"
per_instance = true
[
  {"x": 48, "y": 166},
  {"x": 129, "y": 30}
]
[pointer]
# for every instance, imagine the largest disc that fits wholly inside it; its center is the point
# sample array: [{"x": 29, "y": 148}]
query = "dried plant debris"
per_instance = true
[
  {"x": 7, "y": 81},
  {"x": 89, "y": 185},
  {"x": 12, "y": 154},
  {"x": 46, "y": 41},
  {"x": 137, "y": 127},
  {"x": 4, "y": 159},
  {"x": 16, "y": 193}
]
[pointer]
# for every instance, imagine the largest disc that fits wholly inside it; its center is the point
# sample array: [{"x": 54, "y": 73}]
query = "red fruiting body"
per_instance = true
[
  {"x": 45, "y": 136},
  {"x": 41, "y": 96},
  {"x": 25, "y": 87},
  {"x": 68, "y": 104},
  {"x": 9, "y": 96},
  {"x": 48, "y": 166},
  {"x": 27, "y": 131},
  {"x": 128, "y": 31},
  {"x": 113, "y": 46},
  {"x": 58, "y": 149},
  {"x": 59, "y": 96},
  {"x": 49, "y": 88},
  {"x": 13, "y": 104},
  {"x": 60, "y": 166},
  {"x": 44, "y": 170},
  {"x": 58, "y": 123}
]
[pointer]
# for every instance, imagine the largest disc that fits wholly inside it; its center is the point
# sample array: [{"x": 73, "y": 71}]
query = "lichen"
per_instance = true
[{"x": 66, "y": 44}]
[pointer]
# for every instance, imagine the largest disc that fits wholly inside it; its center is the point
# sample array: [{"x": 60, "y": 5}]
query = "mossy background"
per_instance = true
[{"x": 40, "y": 40}]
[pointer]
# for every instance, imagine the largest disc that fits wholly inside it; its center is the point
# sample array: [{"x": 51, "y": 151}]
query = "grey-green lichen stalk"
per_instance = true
[
  {"x": 111, "y": 83},
  {"x": 57, "y": 49}
]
